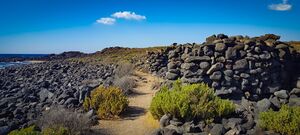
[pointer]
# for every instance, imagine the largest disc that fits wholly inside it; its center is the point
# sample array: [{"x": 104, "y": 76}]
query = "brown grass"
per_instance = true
[
  {"x": 118, "y": 55},
  {"x": 75, "y": 123},
  {"x": 296, "y": 45},
  {"x": 151, "y": 121}
]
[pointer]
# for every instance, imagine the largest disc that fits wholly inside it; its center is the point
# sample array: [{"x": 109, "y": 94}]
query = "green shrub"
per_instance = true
[
  {"x": 55, "y": 131},
  {"x": 189, "y": 102},
  {"x": 285, "y": 121},
  {"x": 25, "y": 131},
  {"x": 108, "y": 102},
  {"x": 32, "y": 130}
]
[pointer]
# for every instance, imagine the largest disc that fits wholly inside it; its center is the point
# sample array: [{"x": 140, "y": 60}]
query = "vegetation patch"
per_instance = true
[
  {"x": 193, "y": 101},
  {"x": 123, "y": 79},
  {"x": 119, "y": 55},
  {"x": 286, "y": 121},
  {"x": 32, "y": 130},
  {"x": 60, "y": 121},
  {"x": 108, "y": 102},
  {"x": 56, "y": 131},
  {"x": 295, "y": 45},
  {"x": 151, "y": 121}
]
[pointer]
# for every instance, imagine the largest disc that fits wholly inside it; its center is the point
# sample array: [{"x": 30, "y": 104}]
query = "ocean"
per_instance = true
[{"x": 7, "y": 64}]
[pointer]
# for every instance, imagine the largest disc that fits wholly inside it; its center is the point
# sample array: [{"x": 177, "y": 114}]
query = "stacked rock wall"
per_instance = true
[
  {"x": 257, "y": 74},
  {"x": 252, "y": 67}
]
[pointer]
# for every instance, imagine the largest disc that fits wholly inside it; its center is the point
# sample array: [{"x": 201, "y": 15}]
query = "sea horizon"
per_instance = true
[{"x": 17, "y": 63}]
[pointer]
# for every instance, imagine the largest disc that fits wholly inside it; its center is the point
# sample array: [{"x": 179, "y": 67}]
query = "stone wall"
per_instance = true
[
  {"x": 257, "y": 74},
  {"x": 251, "y": 67}
]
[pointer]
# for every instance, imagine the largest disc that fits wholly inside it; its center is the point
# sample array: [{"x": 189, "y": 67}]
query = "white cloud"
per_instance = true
[
  {"x": 284, "y": 6},
  {"x": 128, "y": 15},
  {"x": 106, "y": 21}
]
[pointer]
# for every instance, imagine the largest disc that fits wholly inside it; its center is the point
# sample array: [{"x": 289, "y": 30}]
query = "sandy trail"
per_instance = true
[{"x": 135, "y": 121}]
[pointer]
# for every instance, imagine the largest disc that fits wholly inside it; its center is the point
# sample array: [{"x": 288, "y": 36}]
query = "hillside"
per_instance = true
[
  {"x": 118, "y": 55},
  {"x": 295, "y": 45}
]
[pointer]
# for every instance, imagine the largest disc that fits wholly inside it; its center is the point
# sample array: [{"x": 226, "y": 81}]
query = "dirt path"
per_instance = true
[{"x": 137, "y": 119}]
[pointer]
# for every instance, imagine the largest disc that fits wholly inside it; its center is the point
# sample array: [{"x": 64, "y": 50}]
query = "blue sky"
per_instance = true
[{"x": 54, "y": 26}]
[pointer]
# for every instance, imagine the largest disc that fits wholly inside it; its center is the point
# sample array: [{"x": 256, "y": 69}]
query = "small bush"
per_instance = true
[
  {"x": 32, "y": 130},
  {"x": 60, "y": 121},
  {"x": 25, "y": 131},
  {"x": 108, "y": 102},
  {"x": 125, "y": 83},
  {"x": 124, "y": 69},
  {"x": 190, "y": 102},
  {"x": 122, "y": 77},
  {"x": 285, "y": 121}
]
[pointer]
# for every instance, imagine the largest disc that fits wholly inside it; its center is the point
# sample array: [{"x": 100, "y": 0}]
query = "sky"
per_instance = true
[{"x": 55, "y": 26}]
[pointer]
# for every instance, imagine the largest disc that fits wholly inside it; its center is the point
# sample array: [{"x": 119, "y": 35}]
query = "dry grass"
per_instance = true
[
  {"x": 151, "y": 121},
  {"x": 58, "y": 117},
  {"x": 296, "y": 45},
  {"x": 123, "y": 79},
  {"x": 124, "y": 69},
  {"x": 118, "y": 55},
  {"x": 125, "y": 83}
]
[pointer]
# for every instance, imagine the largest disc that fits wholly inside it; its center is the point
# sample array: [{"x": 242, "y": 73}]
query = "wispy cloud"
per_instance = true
[
  {"x": 128, "y": 15},
  {"x": 106, "y": 21},
  {"x": 284, "y": 6}
]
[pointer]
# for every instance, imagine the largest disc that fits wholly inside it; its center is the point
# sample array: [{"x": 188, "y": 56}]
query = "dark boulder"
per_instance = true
[
  {"x": 218, "y": 129},
  {"x": 215, "y": 67},
  {"x": 240, "y": 64},
  {"x": 220, "y": 47},
  {"x": 281, "y": 94},
  {"x": 263, "y": 105},
  {"x": 215, "y": 76},
  {"x": 165, "y": 120},
  {"x": 171, "y": 76},
  {"x": 4, "y": 130},
  {"x": 294, "y": 101}
]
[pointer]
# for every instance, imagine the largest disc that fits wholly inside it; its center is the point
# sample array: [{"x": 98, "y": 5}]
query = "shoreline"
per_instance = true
[
  {"x": 4, "y": 65},
  {"x": 34, "y": 61}
]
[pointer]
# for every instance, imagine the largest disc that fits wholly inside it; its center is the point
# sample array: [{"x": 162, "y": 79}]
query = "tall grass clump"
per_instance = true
[
  {"x": 61, "y": 121},
  {"x": 286, "y": 121},
  {"x": 193, "y": 101},
  {"x": 122, "y": 77},
  {"x": 108, "y": 102}
]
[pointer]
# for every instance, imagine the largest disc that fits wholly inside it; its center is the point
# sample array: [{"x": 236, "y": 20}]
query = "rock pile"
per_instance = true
[
  {"x": 254, "y": 67},
  {"x": 27, "y": 90}
]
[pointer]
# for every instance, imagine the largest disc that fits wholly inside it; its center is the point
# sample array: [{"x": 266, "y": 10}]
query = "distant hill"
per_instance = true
[
  {"x": 118, "y": 54},
  {"x": 295, "y": 44}
]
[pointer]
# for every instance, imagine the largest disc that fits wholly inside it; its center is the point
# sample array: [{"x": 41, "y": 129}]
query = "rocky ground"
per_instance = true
[{"x": 27, "y": 90}]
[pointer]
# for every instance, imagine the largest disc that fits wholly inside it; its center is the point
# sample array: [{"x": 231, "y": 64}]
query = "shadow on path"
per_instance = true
[
  {"x": 134, "y": 93},
  {"x": 133, "y": 112}
]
